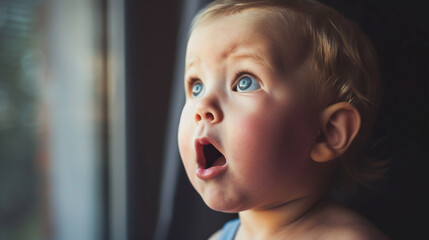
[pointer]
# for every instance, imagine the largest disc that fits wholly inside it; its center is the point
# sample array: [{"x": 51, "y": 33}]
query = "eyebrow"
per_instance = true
[
  {"x": 253, "y": 56},
  {"x": 193, "y": 62},
  {"x": 235, "y": 53},
  {"x": 240, "y": 51},
  {"x": 249, "y": 56}
]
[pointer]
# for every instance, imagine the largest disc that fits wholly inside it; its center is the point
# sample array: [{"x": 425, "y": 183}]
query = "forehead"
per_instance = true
[{"x": 249, "y": 32}]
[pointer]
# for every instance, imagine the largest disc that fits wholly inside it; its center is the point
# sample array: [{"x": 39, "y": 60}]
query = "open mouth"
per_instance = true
[
  {"x": 208, "y": 155},
  {"x": 210, "y": 160},
  {"x": 212, "y": 157}
]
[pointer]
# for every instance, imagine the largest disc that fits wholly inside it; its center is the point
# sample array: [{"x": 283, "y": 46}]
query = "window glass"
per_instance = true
[{"x": 51, "y": 118}]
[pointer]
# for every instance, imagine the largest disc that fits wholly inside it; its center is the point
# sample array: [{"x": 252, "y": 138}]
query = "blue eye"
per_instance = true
[
  {"x": 247, "y": 84},
  {"x": 197, "y": 88}
]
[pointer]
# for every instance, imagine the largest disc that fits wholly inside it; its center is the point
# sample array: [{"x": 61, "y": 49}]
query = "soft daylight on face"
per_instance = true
[{"x": 244, "y": 136}]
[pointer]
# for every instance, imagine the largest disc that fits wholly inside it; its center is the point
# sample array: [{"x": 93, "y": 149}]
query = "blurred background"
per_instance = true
[{"x": 90, "y": 97}]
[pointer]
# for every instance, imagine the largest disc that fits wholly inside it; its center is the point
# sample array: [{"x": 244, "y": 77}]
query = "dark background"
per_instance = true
[{"x": 399, "y": 32}]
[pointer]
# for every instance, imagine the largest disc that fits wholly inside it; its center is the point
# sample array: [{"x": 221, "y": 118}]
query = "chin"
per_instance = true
[
  {"x": 221, "y": 208},
  {"x": 225, "y": 205}
]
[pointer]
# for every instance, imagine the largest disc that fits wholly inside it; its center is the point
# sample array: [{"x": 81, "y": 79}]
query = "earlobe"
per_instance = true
[{"x": 340, "y": 124}]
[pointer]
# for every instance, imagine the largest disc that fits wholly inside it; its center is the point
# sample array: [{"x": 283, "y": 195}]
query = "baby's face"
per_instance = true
[{"x": 244, "y": 135}]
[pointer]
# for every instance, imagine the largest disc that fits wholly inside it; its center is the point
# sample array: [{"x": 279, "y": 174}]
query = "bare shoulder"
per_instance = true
[
  {"x": 357, "y": 231},
  {"x": 334, "y": 221},
  {"x": 215, "y": 236}
]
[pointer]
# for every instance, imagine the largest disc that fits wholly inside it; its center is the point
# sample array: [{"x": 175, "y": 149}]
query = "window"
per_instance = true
[{"x": 52, "y": 120}]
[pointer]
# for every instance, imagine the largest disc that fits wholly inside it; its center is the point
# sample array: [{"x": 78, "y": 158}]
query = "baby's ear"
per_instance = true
[{"x": 340, "y": 124}]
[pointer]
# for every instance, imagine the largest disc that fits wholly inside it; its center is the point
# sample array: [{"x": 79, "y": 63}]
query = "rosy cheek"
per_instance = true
[
  {"x": 246, "y": 138},
  {"x": 185, "y": 139},
  {"x": 267, "y": 139}
]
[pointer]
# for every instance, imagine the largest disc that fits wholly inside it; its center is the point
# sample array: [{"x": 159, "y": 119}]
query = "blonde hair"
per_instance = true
[{"x": 344, "y": 65}]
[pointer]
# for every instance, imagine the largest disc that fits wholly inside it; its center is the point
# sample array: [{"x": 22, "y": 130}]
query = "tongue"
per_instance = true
[
  {"x": 219, "y": 162},
  {"x": 213, "y": 157}
]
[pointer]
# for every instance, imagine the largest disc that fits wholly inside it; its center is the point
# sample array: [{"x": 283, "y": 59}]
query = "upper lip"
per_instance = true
[{"x": 199, "y": 148}]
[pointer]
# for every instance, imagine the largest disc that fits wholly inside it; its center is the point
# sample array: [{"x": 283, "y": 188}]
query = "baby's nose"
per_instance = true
[
  {"x": 208, "y": 115},
  {"x": 209, "y": 111}
]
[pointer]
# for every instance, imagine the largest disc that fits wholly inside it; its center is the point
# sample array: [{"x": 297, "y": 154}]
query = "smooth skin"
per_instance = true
[{"x": 243, "y": 96}]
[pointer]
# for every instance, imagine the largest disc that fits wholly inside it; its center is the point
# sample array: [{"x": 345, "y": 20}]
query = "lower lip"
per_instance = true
[{"x": 211, "y": 172}]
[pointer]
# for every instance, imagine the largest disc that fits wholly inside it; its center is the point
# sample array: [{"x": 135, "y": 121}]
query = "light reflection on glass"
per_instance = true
[{"x": 49, "y": 142}]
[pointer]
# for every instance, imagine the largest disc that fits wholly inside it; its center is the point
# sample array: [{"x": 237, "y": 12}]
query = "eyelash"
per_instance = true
[
  {"x": 191, "y": 81},
  {"x": 241, "y": 73},
  {"x": 238, "y": 75}
]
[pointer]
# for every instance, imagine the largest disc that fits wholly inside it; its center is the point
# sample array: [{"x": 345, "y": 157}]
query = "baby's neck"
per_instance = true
[{"x": 281, "y": 220}]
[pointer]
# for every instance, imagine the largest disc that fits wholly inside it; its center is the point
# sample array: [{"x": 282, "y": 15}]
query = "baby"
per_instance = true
[{"x": 280, "y": 98}]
